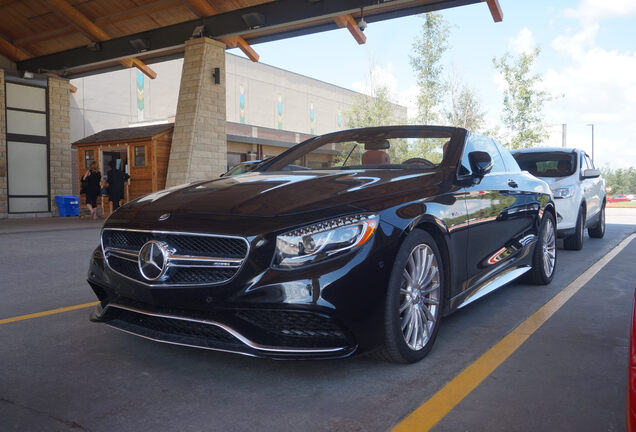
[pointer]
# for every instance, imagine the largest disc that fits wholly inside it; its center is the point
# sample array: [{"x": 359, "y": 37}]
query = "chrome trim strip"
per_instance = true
[
  {"x": 498, "y": 282},
  {"x": 225, "y": 327},
  {"x": 181, "y": 344},
  {"x": 123, "y": 254},
  {"x": 238, "y": 267}
]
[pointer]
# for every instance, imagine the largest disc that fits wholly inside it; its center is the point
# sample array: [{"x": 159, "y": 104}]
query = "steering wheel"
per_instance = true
[{"x": 417, "y": 160}]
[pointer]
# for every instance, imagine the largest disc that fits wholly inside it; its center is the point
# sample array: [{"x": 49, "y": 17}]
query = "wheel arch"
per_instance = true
[{"x": 442, "y": 244}]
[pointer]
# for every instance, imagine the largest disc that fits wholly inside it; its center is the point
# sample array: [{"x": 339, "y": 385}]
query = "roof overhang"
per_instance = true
[{"x": 260, "y": 23}]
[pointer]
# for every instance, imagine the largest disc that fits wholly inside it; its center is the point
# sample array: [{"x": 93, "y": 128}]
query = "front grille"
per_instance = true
[
  {"x": 184, "y": 244},
  {"x": 121, "y": 248},
  {"x": 172, "y": 330},
  {"x": 291, "y": 328}
]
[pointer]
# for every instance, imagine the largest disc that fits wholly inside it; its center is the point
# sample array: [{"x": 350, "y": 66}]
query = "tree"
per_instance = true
[
  {"x": 428, "y": 49},
  {"x": 523, "y": 100},
  {"x": 375, "y": 109},
  {"x": 464, "y": 106},
  {"x": 621, "y": 180}
]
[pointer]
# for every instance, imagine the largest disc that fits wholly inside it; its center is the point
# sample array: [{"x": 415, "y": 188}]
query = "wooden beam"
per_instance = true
[
  {"x": 143, "y": 67},
  {"x": 79, "y": 19},
  {"x": 351, "y": 24},
  {"x": 202, "y": 8},
  {"x": 243, "y": 45},
  {"x": 71, "y": 87},
  {"x": 93, "y": 31},
  {"x": 11, "y": 51},
  {"x": 495, "y": 10}
]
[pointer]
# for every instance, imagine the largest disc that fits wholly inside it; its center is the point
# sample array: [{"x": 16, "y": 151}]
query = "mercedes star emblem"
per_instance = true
[{"x": 153, "y": 260}]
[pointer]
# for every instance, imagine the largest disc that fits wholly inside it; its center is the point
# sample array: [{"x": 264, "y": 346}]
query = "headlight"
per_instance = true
[
  {"x": 564, "y": 192},
  {"x": 324, "y": 239}
]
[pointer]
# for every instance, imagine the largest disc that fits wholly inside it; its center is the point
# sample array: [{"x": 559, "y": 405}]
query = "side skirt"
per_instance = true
[{"x": 493, "y": 284}]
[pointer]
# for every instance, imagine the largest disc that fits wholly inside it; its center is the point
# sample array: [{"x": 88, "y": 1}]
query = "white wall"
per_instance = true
[{"x": 109, "y": 100}]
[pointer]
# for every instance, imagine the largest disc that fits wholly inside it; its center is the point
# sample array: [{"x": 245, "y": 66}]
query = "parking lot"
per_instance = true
[{"x": 61, "y": 372}]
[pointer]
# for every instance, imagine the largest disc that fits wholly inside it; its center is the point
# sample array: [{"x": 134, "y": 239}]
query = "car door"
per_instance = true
[
  {"x": 591, "y": 187},
  {"x": 490, "y": 226}
]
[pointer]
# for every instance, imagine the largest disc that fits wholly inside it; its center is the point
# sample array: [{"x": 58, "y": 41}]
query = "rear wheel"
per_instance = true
[
  {"x": 598, "y": 231},
  {"x": 544, "y": 258},
  {"x": 414, "y": 300},
  {"x": 575, "y": 241}
]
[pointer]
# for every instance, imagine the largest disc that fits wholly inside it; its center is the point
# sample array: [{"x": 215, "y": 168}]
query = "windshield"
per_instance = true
[
  {"x": 241, "y": 168},
  {"x": 377, "y": 148},
  {"x": 548, "y": 164}
]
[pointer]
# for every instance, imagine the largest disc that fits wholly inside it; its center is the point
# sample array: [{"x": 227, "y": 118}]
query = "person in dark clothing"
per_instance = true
[
  {"x": 116, "y": 180},
  {"x": 91, "y": 184}
]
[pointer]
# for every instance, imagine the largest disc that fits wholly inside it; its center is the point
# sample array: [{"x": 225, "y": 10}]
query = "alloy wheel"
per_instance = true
[
  {"x": 549, "y": 247},
  {"x": 420, "y": 290}
]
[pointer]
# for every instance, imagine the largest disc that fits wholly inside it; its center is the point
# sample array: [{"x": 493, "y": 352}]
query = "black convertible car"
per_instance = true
[{"x": 388, "y": 230}]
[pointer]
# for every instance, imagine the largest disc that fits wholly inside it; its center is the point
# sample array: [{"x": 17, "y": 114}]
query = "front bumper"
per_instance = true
[
  {"x": 327, "y": 310},
  {"x": 285, "y": 334}
]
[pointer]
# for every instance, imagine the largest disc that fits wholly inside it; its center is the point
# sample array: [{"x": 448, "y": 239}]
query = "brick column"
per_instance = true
[
  {"x": 59, "y": 140},
  {"x": 4, "y": 200},
  {"x": 199, "y": 142}
]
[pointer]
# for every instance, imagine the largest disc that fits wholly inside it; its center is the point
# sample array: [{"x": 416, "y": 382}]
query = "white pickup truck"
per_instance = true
[{"x": 577, "y": 186}]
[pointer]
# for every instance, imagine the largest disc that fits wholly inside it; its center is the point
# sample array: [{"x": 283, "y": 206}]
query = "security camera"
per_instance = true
[{"x": 362, "y": 24}]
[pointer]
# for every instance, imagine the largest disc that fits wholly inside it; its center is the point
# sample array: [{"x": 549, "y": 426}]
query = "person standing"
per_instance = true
[
  {"x": 91, "y": 182},
  {"x": 115, "y": 179}
]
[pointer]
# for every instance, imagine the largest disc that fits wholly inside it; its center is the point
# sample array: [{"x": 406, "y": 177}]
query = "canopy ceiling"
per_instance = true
[{"x": 81, "y": 37}]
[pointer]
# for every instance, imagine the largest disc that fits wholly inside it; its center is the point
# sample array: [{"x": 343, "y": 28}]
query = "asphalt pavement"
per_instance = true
[{"x": 62, "y": 372}]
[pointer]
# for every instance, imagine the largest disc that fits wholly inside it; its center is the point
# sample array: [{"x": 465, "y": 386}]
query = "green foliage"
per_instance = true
[
  {"x": 465, "y": 108},
  {"x": 374, "y": 110},
  {"x": 621, "y": 180},
  {"x": 523, "y": 102},
  {"x": 428, "y": 49}
]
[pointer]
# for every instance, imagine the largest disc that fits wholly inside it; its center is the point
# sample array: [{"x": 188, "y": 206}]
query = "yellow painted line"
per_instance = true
[
  {"x": 442, "y": 402},
  {"x": 47, "y": 312}
]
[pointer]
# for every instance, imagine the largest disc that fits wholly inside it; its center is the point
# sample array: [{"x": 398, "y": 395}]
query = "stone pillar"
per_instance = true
[
  {"x": 4, "y": 200},
  {"x": 199, "y": 142},
  {"x": 59, "y": 140}
]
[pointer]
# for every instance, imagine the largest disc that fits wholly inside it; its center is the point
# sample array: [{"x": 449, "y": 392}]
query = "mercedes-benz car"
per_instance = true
[{"x": 389, "y": 229}]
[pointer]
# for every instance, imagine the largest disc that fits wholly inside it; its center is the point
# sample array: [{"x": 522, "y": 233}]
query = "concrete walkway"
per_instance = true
[{"x": 10, "y": 226}]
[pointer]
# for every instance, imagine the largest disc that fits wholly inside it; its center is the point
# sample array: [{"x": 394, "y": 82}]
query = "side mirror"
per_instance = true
[
  {"x": 480, "y": 162},
  {"x": 591, "y": 173}
]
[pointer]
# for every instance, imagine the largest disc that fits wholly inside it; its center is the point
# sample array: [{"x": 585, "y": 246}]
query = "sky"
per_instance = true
[{"x": 587, "y": 61}]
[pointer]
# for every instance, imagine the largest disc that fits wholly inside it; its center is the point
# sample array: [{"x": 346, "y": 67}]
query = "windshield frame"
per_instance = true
[{"x": 289, "y": 156}]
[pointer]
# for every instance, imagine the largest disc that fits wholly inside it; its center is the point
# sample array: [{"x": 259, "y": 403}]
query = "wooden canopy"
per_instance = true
[{"x": 81, "y": 37}]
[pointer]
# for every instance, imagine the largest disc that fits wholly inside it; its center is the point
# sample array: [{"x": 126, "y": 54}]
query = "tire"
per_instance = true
[
  {"x": 575, "y": 241},
  {"x": 413, "y": 310},
  {"x": 544, "y": 258},
  {"x": 598, "y": 231}
]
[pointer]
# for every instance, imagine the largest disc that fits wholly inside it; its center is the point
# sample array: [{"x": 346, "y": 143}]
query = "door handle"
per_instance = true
[{"x": 512, "y": 183}]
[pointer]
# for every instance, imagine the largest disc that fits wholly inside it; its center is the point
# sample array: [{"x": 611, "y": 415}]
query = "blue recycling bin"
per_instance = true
[{"x": 68, "y": 205}]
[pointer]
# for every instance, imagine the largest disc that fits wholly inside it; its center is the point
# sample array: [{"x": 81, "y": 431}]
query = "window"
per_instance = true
[
  {"x": 140, "y": 156},
  {"x": 590, "y": 164},
  {"x": 511, "y": 163},
  {"x": 89, "y": 158},
  {"x": 27, "y": 147},
  {"x": 476, "y": 142},
  {"x": 547, "y": 164}
]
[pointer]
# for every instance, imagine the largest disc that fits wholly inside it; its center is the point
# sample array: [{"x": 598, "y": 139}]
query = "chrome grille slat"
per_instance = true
[{"x": 194, "y": 259}]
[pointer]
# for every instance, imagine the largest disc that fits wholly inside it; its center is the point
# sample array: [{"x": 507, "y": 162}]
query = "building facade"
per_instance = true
[{"x": 267, "y": 110}]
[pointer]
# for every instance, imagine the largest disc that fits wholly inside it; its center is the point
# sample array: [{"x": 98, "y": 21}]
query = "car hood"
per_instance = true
[
  {"x": 264, "y": 194},
  {"x": 556, "y": 182}
]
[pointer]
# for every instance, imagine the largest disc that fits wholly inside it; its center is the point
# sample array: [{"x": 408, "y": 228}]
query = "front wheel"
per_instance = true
[
  {"x": 544, "y": 258},
  {"x": 598, "y": 231},
  {"x": 414, "y": 300}
]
